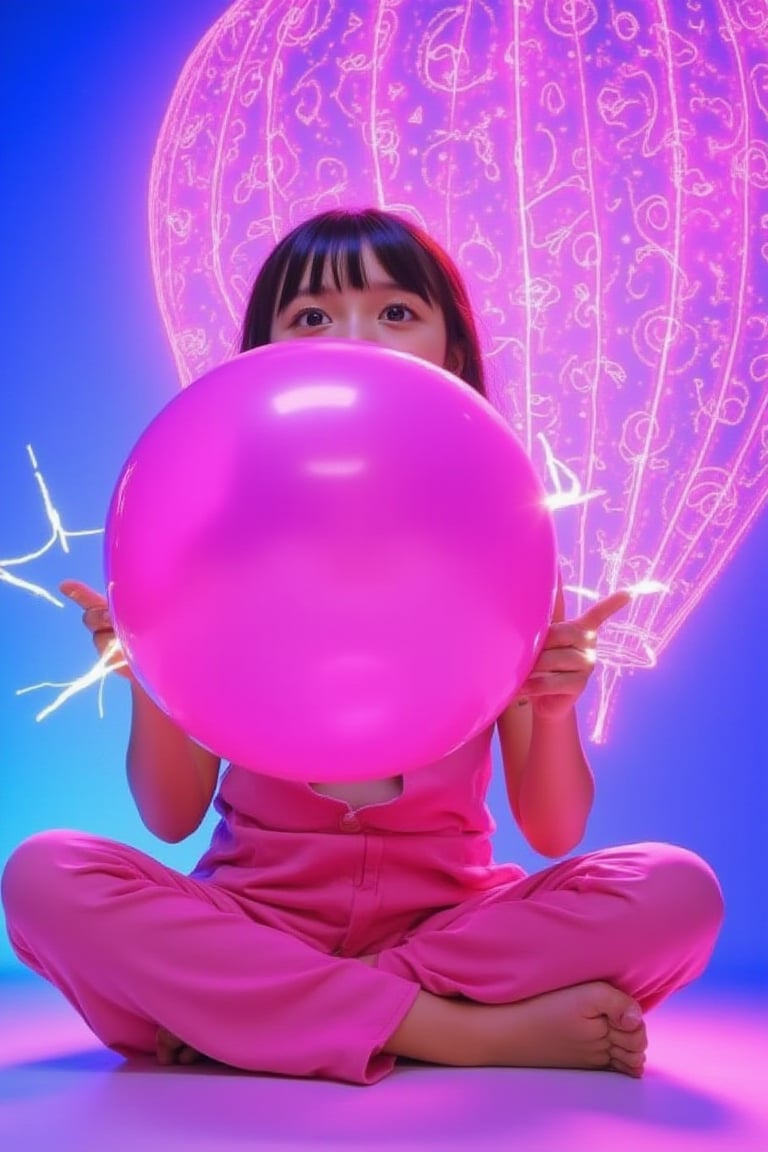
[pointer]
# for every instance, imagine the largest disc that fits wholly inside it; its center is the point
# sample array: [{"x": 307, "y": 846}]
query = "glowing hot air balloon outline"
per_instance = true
[{"x": 601, "y": 176}]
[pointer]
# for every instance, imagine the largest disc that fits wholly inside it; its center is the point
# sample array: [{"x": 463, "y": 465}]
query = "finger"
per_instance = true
[
  {"x": 554, "y": 684},
  {"x": 570, "y": 659},
  {"x": 570, "y": 634},
  {"x": 558, "y": 611},
  {"x": 592, "y": 619},
  {"x": 98, "y": 621},
  {"x": 82, "y": 595}
]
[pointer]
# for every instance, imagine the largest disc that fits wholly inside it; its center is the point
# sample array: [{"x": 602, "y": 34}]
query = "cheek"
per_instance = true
[{"x": 433, "y": 346}]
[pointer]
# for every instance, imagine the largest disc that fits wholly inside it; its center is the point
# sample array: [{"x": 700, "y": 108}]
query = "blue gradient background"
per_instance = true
[{"x": 85, "y": 85}]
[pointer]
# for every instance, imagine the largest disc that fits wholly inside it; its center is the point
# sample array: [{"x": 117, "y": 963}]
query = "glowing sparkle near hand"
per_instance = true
[
  {"x": 59, "y": 535},
  {"x": 600, "y": 173},
  {"x": 96, "y": 674}
]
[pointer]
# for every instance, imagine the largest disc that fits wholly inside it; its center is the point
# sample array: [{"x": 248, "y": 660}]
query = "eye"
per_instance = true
[
  {"x": 310, "y": 318},
  {"x": 396, "y": 313}
]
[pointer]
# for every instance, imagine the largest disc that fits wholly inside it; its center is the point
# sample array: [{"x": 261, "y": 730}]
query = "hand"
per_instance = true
[
  {"x": 567, "y": 659},
  {"x": 98, "y": 622}
]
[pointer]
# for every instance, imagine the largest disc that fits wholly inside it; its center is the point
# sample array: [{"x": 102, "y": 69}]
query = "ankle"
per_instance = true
[{"x": 438, "y": 1030}]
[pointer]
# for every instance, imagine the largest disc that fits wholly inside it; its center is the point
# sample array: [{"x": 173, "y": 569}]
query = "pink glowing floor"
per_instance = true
[{"x": 707, "y": 1088}]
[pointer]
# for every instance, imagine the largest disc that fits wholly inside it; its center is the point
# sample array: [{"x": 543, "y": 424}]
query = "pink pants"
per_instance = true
[{"x": 134, "y": 944}]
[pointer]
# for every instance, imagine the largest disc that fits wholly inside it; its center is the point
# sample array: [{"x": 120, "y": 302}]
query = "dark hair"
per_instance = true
[{"x": 408, "y": 255}]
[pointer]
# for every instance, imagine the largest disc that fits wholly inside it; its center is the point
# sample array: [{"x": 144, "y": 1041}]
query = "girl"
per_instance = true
[{"x": 332, "y": 928}]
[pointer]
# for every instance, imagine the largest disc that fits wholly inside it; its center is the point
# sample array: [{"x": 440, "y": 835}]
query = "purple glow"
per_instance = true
[
  {"x": 600, "y": 174},
  {"x": 703, "y": 1092}
]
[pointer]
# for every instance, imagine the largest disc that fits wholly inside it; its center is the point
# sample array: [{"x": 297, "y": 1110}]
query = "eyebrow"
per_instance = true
[{"x": 331, "y": 290}]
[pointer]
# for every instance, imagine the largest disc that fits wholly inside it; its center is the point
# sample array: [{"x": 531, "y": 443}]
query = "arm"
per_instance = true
[
  {"x": 171, "y": 778},
  {"x": 549, "y": 781}
]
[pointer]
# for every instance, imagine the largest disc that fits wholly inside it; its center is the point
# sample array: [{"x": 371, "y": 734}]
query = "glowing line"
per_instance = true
[
  {"x": 639, "y": 472},
  {"x": 216, "y": 198},
  {"x": 640, "y": 588},
  {"x": 59, "y": 534},
  {"x": 271, "y": 132},
  {"x": 648, "y": 587},
  {"x": 598, "y": 303},
  {"x": 518, "y": 164},
  {"x": 372, "y": 122},
  {"x": 96, "y": 674},
  {"x": 561, "y": 498},
  {"x": 27, "y": 586},
  {"x": 556, "y": 502},
  {"x": 727, "y": 372},
  {"x": 162, "y": 262},
  {"x": 639, "y": 467},
  {"x": 452, "y": 121}
]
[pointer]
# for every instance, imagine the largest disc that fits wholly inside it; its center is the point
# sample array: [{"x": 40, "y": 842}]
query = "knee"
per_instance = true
[
  {"x": 36, "y": 877},
  {"x": 685, "y": 890}
]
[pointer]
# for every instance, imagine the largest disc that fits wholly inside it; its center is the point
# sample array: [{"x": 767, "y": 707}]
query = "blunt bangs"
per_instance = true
[{"x": 338, "y": 243}]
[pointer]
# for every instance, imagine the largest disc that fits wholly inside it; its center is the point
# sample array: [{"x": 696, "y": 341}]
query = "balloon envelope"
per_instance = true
[{"x": 329, "y": 562}]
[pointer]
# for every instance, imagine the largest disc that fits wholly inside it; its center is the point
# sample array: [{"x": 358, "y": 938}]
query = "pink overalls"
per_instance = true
[{"x": 250, "y": 959}]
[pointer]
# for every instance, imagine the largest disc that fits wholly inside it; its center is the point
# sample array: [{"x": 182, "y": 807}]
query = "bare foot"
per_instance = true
[
  {"x": 170, "y": 1050},
  {"x": 586, "y": 1026}
]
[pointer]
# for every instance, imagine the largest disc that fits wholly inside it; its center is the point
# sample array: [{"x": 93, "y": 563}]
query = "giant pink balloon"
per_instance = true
[{"x": 330, "y": 561}]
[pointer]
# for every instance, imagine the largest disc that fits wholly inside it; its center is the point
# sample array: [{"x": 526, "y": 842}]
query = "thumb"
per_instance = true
[{"x": 82, "y": 595}]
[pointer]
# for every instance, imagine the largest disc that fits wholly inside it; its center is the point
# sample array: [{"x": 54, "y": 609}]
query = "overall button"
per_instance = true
[{"x": 349, "y": 823}]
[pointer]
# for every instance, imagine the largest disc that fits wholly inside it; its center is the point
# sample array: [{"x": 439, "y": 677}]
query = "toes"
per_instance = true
[
  {"x": 634, "y": 1059},
  {"x": 630, "y": 1021},
  {"x": 630, "y": 1061},
  {"x": 621, "y": 1010},
  {"x": 629, "y": 1064},
  {"x": 636, "y": 1041},
  {"x": 170, "y": 1050},
  {"x": 164, "y": 1046},
  {"x": 629, "y": 1018}
]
